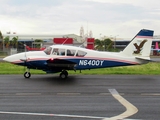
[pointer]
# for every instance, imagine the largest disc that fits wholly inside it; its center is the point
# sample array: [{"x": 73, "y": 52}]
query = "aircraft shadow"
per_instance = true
[{"x": 56, "y": 80}]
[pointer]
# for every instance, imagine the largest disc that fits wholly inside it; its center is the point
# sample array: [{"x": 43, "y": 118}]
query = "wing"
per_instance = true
[
  {"x": 60, "y": 64},
  {"x": 49, "y": 64}
]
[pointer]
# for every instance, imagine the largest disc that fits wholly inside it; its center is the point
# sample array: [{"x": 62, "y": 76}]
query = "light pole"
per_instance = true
[
  {"x": 3, "y": 43},
  {"x": 115, "y": 42},
  {"x": 100, "y": 36}
]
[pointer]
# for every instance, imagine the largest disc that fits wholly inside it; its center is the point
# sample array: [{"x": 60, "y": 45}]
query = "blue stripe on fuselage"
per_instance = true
[
  {"x": 82, "y": 63},
  {"x": 96, "y": 63},
  {"x": 39, "y": 64}
]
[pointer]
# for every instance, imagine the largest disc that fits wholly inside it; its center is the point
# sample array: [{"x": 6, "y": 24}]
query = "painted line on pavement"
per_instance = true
[
  {"x": 57, "y": 115},
  {"x": 68, "y": 93},
  {"x": 27, "y": 94},
  {"x": 150, "y": 94},
  {"x": 50, "y": 115},
  {"x": 130, "y": 109}
]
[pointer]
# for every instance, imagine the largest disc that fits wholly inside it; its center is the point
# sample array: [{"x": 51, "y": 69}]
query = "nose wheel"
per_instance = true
[
  {"x": 27, "y": 74},
  {"x": 63, "y": 74}
]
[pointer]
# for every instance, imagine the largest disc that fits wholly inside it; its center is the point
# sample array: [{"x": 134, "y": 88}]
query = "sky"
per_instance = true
[{"x": 122, "y": 18}]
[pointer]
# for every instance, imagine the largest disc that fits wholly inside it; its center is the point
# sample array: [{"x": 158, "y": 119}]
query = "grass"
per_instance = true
[
  {"x": 151, "y": 68},
  {"x": 147, "y": 69},
  {"x": 7, "y": 68}
]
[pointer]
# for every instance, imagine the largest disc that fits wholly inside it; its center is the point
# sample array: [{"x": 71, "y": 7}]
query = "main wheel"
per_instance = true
[
  {"x": 27, "y": 74},
  {"x": 65, "y": 72},
  {"x": 63, "y": 75}
]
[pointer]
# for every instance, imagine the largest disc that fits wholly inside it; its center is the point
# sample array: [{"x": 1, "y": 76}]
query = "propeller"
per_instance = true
[
  {"x": 25, "y": 58},
  {"x": 27, "y": 74}
]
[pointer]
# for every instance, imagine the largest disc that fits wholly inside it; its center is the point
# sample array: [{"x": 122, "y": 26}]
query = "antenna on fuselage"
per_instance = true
[
  {"x": 85, "y": 40},
  {"x": 65, "y": 40},
  {"x": 82, "y": 43}
]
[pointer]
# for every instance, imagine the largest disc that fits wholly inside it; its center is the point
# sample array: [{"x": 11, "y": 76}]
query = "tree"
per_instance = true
[
  {"x": 15, "y": 42},
  {"x": 1, "y": 39},
  {"x": 1, "y": 36},
  {"x": 11, "y": 43},
  {"x": 38, "y": 43},
  {"x": 98, "y": 44},
  {"x": 6, "y": 42},
  {"x": 108, "y": 44},
  {"x": 103, "y": 45}
]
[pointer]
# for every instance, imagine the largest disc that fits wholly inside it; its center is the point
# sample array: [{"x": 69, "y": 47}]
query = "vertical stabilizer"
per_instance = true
[{"x": 140, "y": 45}]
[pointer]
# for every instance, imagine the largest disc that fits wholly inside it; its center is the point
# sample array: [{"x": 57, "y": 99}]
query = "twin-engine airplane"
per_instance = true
[{"x": 60, "y": 58}]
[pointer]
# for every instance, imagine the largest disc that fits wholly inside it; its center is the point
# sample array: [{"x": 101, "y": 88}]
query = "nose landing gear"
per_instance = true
[{"x": 27, "y": 74}]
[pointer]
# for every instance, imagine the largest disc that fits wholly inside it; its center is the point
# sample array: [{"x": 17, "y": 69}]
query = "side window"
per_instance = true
[
  {"x": 58, "y": 51},
  {"x": 55, "y": 51},
  {"x": 71, "y": 52},
  {"x": 61, "y": 52},
  {"x": 80, "y": 53}
]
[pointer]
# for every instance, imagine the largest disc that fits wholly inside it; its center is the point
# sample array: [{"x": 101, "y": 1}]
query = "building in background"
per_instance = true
[
  {"x": 84, "y": 39},
  {"x": 28, "y": 41}
]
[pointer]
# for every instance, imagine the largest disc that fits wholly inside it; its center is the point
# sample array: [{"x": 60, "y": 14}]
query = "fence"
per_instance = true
[{"x": 10, "y": 51}]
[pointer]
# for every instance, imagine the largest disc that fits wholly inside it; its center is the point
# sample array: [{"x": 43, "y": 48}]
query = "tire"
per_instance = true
[
  {"x": 63, "y": 75},
  {"x": 65, "y": 72},
  {"x": 27, "y": 74}
]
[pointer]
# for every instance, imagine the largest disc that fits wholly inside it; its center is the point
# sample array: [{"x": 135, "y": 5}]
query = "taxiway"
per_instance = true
[{"x": 80, "y": 97}]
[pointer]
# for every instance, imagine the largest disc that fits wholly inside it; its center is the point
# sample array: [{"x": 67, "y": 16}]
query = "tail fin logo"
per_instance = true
[{"x": 139, "y": 47}]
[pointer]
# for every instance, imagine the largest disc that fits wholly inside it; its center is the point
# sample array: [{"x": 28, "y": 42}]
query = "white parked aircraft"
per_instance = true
[{"x": 60, "y": 58}]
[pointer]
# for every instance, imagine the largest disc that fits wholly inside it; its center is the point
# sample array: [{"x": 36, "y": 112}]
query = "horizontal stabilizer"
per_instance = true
[{"x": 143, "y": 58}]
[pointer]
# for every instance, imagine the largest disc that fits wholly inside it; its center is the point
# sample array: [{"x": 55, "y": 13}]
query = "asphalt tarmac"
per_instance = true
[{"x": 82, "y": 97}]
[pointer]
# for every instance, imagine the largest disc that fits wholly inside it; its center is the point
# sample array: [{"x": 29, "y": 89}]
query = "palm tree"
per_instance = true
[
  {"x": 98, "y": 44},
  {"x": 1, "y": 39},
  {"x": 6, "y": 42},
  {"x": 103, "y": 45},
  {"x": 108, "y": 44},
  {"x": 15, "y": 42}
]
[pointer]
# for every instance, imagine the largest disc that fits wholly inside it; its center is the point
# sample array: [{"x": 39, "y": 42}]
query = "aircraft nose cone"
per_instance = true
[
  {"x": 14, "y": 58},
  {"x": 7, "y": 59},
  {"x": 10, "y": 58}
]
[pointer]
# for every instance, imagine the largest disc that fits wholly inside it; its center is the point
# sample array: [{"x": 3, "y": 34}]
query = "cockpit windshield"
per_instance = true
[{"x": 48, "y": 50}]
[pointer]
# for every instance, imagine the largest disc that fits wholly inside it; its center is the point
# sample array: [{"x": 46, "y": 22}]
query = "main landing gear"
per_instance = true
[
  {"x": 27, "y": 74},
  {"x": 63, "y": 74}
]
